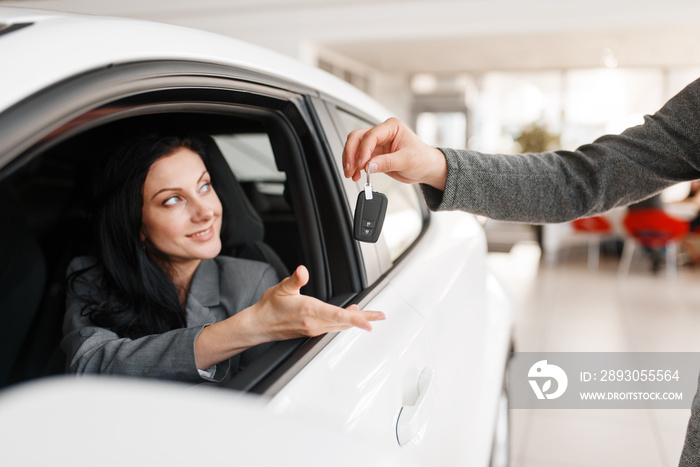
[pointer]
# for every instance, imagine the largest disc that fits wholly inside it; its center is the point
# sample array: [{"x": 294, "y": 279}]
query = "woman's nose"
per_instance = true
[{"x": 202, "y": 211}]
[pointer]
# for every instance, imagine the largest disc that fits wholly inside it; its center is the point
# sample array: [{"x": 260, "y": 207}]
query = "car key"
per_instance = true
[{"x": 369, "y": 213}]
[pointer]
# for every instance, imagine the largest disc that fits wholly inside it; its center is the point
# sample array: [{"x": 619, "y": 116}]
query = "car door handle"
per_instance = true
[{"x": 413, "y": 419}]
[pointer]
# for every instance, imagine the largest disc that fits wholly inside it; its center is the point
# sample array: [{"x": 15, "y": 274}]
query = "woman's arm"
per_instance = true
[
  {"x": 92, "y": 349},
  {"x": 282, "y": 313}
]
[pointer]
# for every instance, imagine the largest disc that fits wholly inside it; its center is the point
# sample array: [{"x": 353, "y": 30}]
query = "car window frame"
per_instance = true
[
  {"x": 367, "y": 255},
  {"x": 35, "y": 124},
  {"x": 386, "y": 266}
]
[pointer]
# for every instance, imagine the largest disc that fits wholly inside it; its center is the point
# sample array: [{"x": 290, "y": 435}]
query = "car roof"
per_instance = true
[{"x": 56, "y": 46}]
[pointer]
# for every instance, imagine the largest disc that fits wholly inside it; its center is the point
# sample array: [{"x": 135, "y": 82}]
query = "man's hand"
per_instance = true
[{"x": 392, "y": 148}]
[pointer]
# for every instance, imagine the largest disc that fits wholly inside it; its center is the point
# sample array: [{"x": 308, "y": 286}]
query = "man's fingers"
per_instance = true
[
  {"x": 389, "y": 162},
  {"x": 362, "y": 144},
  {"x": 380, "y": 135},
  {"x": 352, "y": 145},
  {"x": 393, "y": 164}
]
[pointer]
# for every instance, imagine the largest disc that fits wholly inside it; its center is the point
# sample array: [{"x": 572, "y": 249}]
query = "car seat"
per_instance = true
[
  {"x": 41, "y": 229},
  {"x": 22, "y": 281},
  {"x": 242, "y": 231}
]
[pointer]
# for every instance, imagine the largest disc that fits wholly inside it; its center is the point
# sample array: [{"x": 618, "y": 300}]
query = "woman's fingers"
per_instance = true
[
  {"x": 292, "y": 285},
  {"x": 363, "y": 318},
  {"x": 323, "y": 318},
  {"x": 284, "y": 313},
  {"x": 353, "y": 316}
]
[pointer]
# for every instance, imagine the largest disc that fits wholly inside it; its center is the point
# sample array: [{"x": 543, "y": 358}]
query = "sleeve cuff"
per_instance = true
[
  {"x": 208, "y": 374},
  {"x": 434, "y": 198},
  {"x": 215, "y": 373}
]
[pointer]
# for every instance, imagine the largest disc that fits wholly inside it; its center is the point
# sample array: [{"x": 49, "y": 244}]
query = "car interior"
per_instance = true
[{"x": 47, "y": 202}]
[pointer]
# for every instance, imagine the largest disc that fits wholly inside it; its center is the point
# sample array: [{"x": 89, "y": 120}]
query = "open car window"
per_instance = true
[
  {"x": 267, "y": 144},
  {"x": 251, "y": 156}
]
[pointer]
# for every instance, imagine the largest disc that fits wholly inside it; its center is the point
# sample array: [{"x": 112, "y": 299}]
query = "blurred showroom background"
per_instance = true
[
  {"x": 470, "y": 73},
  {"x": 493, "y": 75}
]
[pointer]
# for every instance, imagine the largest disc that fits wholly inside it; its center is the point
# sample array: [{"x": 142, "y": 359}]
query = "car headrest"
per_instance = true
[{"x": 241, "y": 224}]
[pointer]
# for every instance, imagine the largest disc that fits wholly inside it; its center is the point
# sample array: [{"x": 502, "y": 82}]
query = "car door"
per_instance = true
[
  {"x": 467, "y": 312},
  {"x": 427, "y": 380},
  {"x": 53, "y": 142},
  {"x": 397, "y": 384}
]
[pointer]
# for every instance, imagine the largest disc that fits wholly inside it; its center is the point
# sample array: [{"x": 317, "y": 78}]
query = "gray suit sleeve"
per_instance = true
[
  {"x": 92, "y": 349},
  {"x": 170, "y": 355},
  {"x": 559, "y": 186},
  {"x": 162, "y": 356}
]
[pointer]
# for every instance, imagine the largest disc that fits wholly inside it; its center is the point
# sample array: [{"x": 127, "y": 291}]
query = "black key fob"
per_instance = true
[{"x": 369, "y": 216}]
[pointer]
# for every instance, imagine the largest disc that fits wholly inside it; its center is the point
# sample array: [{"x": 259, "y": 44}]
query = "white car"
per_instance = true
[{"x": 425, "y": 387}]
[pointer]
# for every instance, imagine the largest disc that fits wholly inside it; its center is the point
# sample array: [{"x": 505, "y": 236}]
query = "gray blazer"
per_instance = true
[
  {"x": 614, "y": 170},
  {"x": 221, "y": 287}
]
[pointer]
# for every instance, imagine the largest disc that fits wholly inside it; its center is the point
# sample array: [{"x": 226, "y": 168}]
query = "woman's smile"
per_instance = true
[
  {"x": 203, "y": 235},
  {"x": 181, "y": 215}
]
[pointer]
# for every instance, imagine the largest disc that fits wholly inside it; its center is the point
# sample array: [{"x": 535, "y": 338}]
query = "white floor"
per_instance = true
[{"x": 567, "y": 307}]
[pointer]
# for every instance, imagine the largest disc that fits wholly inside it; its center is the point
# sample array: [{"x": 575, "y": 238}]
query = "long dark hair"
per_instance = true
[{"x": 135, "y": 296}]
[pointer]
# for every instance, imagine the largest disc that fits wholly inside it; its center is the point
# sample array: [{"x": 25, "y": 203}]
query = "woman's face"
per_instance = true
[{"x": 181, "y": 214}]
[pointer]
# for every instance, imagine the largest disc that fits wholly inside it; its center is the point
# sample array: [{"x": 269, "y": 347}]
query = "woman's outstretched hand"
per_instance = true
[
  {"x": 281, "y": 313},
  {"x": 392, "y": 148},
  {"x": 284, "y": 313}
]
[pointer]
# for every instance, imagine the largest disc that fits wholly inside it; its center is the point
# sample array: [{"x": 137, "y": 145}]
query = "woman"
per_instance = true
[{"x": 157, "y": 300}]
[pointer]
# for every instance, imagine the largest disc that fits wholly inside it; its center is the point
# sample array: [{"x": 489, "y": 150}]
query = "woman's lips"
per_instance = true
[{"x": 203, "y": 235}]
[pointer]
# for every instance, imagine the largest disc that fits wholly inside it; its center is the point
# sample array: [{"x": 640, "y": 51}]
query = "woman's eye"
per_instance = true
[
  {"x": 205, "y": 187},
  {"x": 170, "y": 201}
]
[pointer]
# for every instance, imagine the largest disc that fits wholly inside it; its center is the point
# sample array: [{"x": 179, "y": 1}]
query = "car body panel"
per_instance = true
[
  {"x": 366, "y": 377},
  {"x": 88, "y": 422},
  {"x": 98, "y": 42}
]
